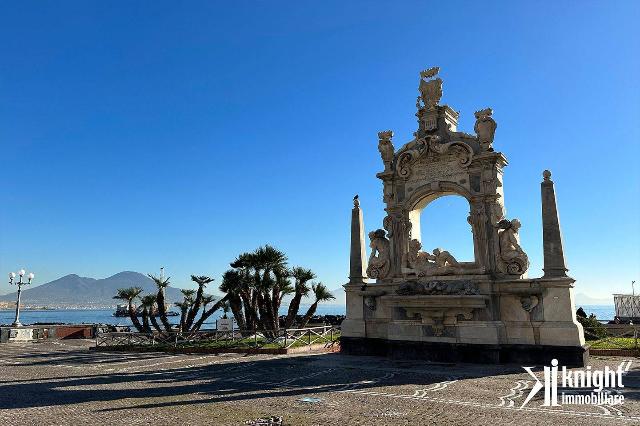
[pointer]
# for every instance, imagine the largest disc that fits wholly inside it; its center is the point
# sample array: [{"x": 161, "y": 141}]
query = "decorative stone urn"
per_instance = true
[{"x": 427, "y": 304}]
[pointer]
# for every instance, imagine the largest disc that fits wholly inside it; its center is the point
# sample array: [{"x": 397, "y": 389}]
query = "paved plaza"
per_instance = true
[{"x": 66, "y": 383}]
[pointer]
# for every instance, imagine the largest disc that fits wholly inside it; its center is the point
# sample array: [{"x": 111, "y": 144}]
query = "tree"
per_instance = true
[
  {"x": 264, "y": 281},
  {"x": 232, "y": 285},
  {"x": 257, "y": 284},
  {"x": 321, "y": 294},
  {"x": 206, "y": 314},
  {"x": 185, "y": 306},
  {"x": 593, "y": 329},
  {"x": 206, "y": 299},
  {"x": 202, "y": 281},
  {"x": 162, "y": 284},
  {"x": 149, "y": 312},
  {"x": 225, "y": 309},
  {"x": 129, "y": 295},
  {"x": 301, "y": 276}
]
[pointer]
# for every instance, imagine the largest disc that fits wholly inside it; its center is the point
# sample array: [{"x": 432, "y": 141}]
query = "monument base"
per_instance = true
[
  {"x": 525, "y": 355},
  {"x": 16, "y": 334}
]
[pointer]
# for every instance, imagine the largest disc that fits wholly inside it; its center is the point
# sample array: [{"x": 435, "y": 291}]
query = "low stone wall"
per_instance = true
[
  {"x": 72, "y": 331},
  {"x": 615, "y": 352},
  {"x": 46, "y": 331}
]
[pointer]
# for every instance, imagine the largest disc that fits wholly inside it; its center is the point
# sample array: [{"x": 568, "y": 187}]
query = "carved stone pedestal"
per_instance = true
[
  {"x": 575, "y": 356},
  {"x": 507, "y": 321}
]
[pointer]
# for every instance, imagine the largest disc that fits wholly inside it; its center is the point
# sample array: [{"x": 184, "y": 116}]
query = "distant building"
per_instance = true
[{"x": 627, "y": 306}]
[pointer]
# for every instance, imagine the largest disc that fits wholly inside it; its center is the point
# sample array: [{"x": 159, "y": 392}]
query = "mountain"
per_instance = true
[
  {"x": 340, "y": 297},
  {"x": 584, "y": 299},
  {"x": 75, "y": 290}
]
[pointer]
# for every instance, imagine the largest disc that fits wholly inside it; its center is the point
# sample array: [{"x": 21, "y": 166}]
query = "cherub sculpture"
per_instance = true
[
  {"x": 380, "y": 259},
  {"x": 513, "y": 259},
  {"x": 386, "y": 148}
]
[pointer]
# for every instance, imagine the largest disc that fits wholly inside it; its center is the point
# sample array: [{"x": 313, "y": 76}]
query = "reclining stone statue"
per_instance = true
[
  {"x": 441, "y": 262},
  {"x": 443, "y": 258}
]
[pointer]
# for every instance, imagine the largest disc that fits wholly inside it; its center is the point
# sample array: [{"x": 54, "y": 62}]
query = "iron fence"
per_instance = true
[
  {"x": 612, "y": 336},
  {"x": 283, "y": 338}
]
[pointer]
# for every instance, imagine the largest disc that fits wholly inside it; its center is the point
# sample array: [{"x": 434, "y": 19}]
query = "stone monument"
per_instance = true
[{"x": 429, "y": 305}]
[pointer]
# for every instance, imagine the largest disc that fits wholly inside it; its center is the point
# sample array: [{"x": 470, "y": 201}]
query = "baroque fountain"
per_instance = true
[{"x": 428, "y": 305}]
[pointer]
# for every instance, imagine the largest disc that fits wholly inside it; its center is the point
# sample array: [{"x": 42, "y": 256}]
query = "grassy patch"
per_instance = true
[{"x": 615, "y": 343}]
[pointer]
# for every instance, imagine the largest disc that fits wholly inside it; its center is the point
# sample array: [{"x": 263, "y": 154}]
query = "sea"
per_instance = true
[{"x": 105, "y": 316}]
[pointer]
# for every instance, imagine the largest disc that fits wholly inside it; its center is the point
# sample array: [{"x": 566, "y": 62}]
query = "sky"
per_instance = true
[{"x": 136, "y": 135}]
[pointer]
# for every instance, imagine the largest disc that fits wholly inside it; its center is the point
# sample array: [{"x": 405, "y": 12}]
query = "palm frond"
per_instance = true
[
  {"x": 201, "y": 279},
  {"x": 129, "y": 293},
  {"x": 321, "y": 292},
  {"x": 149, "y": 300},
  {"x": 160, "y": 282}
]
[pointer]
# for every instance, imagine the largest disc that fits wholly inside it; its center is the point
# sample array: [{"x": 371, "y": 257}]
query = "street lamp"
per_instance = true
[{"x": 19, "y": 283}]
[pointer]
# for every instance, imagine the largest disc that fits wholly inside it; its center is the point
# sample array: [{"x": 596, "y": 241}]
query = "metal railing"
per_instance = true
[
  {"x": 613, "y": 336},
  {"x": 284, "y": 338}
]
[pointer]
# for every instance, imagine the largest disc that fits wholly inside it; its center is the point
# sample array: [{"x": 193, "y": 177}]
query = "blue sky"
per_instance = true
[{"x": 136, "y": 135}]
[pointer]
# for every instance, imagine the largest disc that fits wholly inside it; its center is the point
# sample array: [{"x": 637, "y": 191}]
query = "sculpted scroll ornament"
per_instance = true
[
  {"x": 413, "y": 288},
  {"x": 404, "y": 224},
  {"x": 485, "y": 128},
  {"x": 513, "y": 260},
  {"x": 380, "y": 259},
  {"x": 422, "y": 146}
]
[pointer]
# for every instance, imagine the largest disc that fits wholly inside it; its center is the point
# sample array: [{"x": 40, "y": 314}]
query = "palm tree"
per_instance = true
[
  {"x": 225, "y": 309},
  {"x": 207, "y": 314},
  {"x": 149, "y": 311},
  {"x": 162, "y": 283},
  {"x": 206, "y": 299},
  {"x": 232, "y": 285},
  {"x": 185, "y": 305},
  {"x": 202, "y": 281},
  {"x": 129, "y": 295},
  {"x": 301, "y": 276},
  {"x": 257, "y": 284},
  {"x": 281, "y": 288},
  {"x": 321, "y": 294},
  {"x": 269, "y": 265}
]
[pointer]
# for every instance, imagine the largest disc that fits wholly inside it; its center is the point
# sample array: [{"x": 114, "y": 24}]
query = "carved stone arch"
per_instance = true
[
  {"x": 431, "y": 191},
  {"x": 428, "y": 193}
]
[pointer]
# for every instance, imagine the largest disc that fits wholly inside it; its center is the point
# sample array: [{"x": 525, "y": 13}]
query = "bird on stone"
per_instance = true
[{"x": 356, "y": 201}]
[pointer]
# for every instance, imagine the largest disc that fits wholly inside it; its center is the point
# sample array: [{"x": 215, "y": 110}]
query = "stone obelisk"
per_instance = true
[
  {"x": 554, "y": 264},
  {"x": 358, "y": 262}
]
